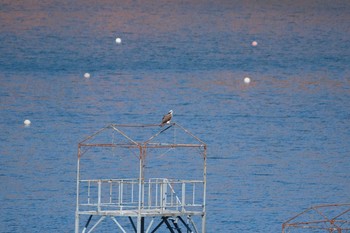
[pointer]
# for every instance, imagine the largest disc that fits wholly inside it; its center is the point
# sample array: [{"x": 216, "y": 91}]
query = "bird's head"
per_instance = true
[{"x": 171, "y": 112}]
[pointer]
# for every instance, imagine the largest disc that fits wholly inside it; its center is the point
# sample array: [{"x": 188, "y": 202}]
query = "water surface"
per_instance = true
[{"x": 275, "y": 147}]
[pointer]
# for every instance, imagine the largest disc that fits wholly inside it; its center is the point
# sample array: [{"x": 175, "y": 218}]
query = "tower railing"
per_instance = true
[{"x": 158, "y": 194}]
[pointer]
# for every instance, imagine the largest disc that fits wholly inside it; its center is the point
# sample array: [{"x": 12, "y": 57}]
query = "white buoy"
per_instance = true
[
  {"x": 86, "y": 75},
  {"x": 26, "y": 122},
  {"x": 247, "y": 80},
  {"x": 254, "y": 43},
  {"x": 118, "y": 40}
]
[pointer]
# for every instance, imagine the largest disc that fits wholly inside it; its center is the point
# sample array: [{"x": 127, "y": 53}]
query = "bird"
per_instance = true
[{"x": 167, "y": 118}]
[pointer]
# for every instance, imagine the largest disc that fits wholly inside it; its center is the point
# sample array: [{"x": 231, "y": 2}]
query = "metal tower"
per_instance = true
[
  {"x": 332, "y": 218},
  {"x": 144, "y": 178}
]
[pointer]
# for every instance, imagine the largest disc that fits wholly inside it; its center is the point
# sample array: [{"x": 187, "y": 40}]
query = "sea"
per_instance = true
[{"x": 276, "y": 145}]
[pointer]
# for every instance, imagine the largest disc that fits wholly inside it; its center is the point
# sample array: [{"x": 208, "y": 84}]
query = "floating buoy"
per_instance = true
[
  {"x": 86, "y": 75},
  {"x": 247, "y": 80},
  {"x": 118, "y": 40},
  {"x": 254, "y": 43},
  {"x": 27, "y": 122}
]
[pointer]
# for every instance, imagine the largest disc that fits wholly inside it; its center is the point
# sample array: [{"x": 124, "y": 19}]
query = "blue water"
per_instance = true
[{"x": 275, "y": 147}]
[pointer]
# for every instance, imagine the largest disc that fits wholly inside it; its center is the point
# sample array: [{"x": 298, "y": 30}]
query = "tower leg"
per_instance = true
[
  {"x": 168, "y": 225},
  {"x": 140, "y": 224},
  {"x": 87, "y": 224},
  {"x": 156, "y": 228},
  {"x": 76, "y": 223},
  {"x": 176, "y": 226},
  {"x": 133, "y": 224},
  {"x": 185, "y": 224}
]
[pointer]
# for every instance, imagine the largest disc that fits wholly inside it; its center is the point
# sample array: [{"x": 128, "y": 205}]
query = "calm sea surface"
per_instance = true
[{"x": 275, "y": 146}]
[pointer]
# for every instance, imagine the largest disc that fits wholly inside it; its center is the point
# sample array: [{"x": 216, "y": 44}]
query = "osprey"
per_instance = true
[{"x": 167, "y": 118}]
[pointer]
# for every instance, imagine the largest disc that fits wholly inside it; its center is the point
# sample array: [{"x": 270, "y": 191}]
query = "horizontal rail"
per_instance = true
[
  {"x": 149, "y": 145},
  {"x": 135, "y": 125}
]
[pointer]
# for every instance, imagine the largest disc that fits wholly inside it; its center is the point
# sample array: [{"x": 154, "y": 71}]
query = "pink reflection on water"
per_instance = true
[{"x": 145, "y": 18}]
